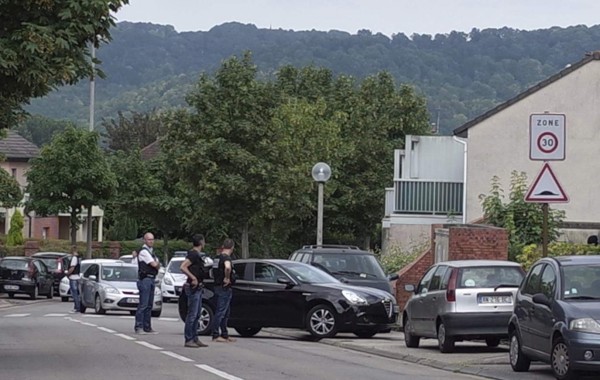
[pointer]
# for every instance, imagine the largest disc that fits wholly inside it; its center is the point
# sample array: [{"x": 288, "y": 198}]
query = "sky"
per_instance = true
[{"x": 379, "y": 16}]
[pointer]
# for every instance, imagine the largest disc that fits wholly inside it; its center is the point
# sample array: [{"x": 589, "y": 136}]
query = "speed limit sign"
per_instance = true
[{"x": 547, "y": 137}]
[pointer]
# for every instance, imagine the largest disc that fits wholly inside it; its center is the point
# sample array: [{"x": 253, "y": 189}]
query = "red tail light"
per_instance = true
[
  {"x": 30, "y": 270},
  {"x": 451, "y": 291}
]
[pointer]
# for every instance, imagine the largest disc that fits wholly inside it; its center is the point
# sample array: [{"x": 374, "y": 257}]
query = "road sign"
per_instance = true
[
  {"x": 547, "y": 137},
  {"x": 546, "y": 188}
]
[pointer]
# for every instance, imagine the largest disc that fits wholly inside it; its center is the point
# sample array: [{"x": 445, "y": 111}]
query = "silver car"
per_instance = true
[
  {"x": 113, "y": 286},
  {"x": 462, "y": 300}
]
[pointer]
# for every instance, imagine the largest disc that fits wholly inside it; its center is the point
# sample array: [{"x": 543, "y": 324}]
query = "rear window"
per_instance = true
[
  {"x": 350, "y": 266},
  {"x": 489, "y": 277},
  {"x": 51, "y": 263},
  {"x": 14, "y": 264}
]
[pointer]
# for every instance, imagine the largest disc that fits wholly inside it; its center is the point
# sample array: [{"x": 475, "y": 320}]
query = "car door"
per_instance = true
[
  {"x": 524, "y": 307},
  {"x": 417, "y": 304},
  {"x": 242, "y": 311},
  {"x": 434, "y": 301},
  {"x": 88, "y": 286},
  {"x": 45, "y": 278},
  {"x": 542, "y": 322}
]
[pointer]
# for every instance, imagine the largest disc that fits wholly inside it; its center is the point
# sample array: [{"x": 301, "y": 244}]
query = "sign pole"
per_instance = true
[{"x": 544, "y": 229}]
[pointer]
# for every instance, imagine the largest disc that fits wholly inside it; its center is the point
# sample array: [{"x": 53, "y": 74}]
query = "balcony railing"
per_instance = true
[{"x": 425, "y": 197}]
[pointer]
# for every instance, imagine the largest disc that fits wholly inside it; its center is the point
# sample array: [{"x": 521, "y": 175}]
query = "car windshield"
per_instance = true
[
  {"x": 349, "y": 265},
  {"x": 489, "y": 276},
  {"x": 119, "y": 273},
  {"x": 14, "y": 264},
  {"x": 175, "y": 266},
  {"x": 309, "y": 275},
  {"x": 581, "y": 282},
  {"x": 51, "y": 263}
]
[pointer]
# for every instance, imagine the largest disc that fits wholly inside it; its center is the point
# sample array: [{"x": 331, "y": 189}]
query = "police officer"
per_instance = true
[{"x": 148, "y": 266}]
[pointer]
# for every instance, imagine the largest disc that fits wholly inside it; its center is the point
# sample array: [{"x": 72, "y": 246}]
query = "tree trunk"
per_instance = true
[
  {"x": 165, "y": 249},
  {"x": 73, "y": 223},
  {"x": 245, "y": 242},
  {"x": 88, "y": 252},
  {"x": 367, "y": 242}
]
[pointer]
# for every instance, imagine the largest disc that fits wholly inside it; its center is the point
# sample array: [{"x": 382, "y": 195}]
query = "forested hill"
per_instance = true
[{"x": 462, "y": 75}]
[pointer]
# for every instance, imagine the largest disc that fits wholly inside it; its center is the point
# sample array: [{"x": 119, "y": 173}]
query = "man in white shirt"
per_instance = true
[
  {"x": 148, "y": 267},
  {"x": 73, "y": 274}
]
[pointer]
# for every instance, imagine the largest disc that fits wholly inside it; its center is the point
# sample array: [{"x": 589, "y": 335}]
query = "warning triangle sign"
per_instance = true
[{"x": 546, "y": 189}]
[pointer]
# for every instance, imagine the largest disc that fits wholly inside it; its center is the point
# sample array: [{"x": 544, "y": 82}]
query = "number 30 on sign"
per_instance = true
[{"x": 547, "y": 137}]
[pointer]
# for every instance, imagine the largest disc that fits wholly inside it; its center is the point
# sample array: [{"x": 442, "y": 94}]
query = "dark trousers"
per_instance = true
[
  {"x": 144, "y": 310},
  {"x": 194, "y": 303},
  {"x": 223, "y": 308}
]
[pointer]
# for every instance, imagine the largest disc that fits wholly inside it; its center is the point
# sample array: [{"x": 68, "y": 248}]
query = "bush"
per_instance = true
[
  {"x": 15, "y": 233},
  {"x": 395, "y": 258},
  {"x": 532, "y": 253}
]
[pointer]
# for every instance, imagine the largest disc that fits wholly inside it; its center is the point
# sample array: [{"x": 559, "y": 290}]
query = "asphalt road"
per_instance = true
[{"x": 40, "y": 340}]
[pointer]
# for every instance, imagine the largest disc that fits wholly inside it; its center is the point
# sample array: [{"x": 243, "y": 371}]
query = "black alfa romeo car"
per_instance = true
[{"x": 290, "y": 294}]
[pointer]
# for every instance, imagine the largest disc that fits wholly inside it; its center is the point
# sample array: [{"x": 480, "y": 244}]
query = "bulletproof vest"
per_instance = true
[{"x": 145, "y": 270}]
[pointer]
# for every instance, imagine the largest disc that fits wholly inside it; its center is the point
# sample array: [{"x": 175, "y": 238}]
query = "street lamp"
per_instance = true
[{"x": 321, "y": 173}]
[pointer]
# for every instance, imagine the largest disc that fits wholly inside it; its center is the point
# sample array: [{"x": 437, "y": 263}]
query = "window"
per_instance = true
[
  {"x": 436, "y": 280},
  {"x": 424, "y": 284},
  {"x": 240, "y": 271},
  {"x": 548, "y": 282},
  {"x": 532, "y": 286},
  {"x": 266, "y": 273},
  {"x": 489, "y": 276},
  {"x": 91, "y": 271},
  {"x": 14, "y": 172},
  {"x": 45, "y": 232}
]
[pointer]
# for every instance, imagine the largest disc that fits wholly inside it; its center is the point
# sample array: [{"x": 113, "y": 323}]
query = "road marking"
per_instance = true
[
  {"x": 149, "y": 345},
  {"x": 89, "y": 324},
  {"x": 55, "y": 315},
  {"x": 168, "y": 319},
  {"x": 16, "y": 315},
  {"x": 215, "y": 371},
  {"x": 128, "y": 317},
  {"x": 174, "y": 355},
  {"x": 125, "y": 336},
  {"x": 92, "y": 316},
  {"x": 106, "y": 330}
]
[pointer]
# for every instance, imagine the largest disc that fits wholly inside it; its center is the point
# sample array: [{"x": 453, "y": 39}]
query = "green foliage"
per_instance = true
[
  {"x": 522, "y": 220},
  {"x": 40, "y": 130},
  {"x": 15, "y": 232},
  {"x": 134, "y": 132},
  {"x": 70, "y": 173},
  {"x": 395, "y": 258},
  {"x": 533, "y": 252},
  {"x": 44, "y": 45},
  {"x": 10, "y": 191},
  {"x": 124, "y": 228}
]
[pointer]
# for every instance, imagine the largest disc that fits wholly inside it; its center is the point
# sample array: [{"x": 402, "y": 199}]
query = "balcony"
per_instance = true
[{"x": 422, "y": 197}]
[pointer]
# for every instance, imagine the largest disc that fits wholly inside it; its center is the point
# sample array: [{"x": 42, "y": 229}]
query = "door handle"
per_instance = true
[{"x": 256, "y": 290}]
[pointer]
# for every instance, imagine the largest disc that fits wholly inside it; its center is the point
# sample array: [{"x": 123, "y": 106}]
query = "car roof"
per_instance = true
[
  {"x": 50, "y": 254},
  {"x": 118, "y": 264},
  {"x": 479, "y": 263},
  {"x": 334, "y": 249},
  {"x": 577, "y": 260},
  {"x": 99, "y": 261},
  {"x": 18, "y": 258}
]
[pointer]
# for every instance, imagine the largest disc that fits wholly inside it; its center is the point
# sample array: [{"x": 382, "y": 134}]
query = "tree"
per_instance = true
[
  {"x": 45, "y": 44},
  {"x": 10, "y": 191},
  {"x": 136, "y": 132},
  {"x": 40, "y": 130},
  {"x": 71, "y": 173},
  {"x": 522, "y": 220},
  {"x": 15, "y": 233}
]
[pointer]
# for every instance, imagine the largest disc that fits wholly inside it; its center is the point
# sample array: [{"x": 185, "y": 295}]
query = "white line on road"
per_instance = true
[
  {"x": 174, "y": 355},
  {"x": 128, "y": 317},
  {"x": 92, "y": 316},
  {"x": 16, "y": 315},
  {"x": 106, "y": 330},
  {"x": 55, "y": 315},
  {"x": 149, "y": 345},
  {"x": 169, "y": 319},
  {"x": 89, "y": 324},
  {"x": 215, "y": 371},
  {"x": 125, "y": 336}
]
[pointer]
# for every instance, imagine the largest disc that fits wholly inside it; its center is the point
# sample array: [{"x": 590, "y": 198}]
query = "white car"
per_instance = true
[
  {"x": 65, "y": 289},
  {"x": 173, "y": 280}
]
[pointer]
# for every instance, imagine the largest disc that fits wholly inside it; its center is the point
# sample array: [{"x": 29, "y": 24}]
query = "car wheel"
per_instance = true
[
  {"x": 518, "y": 360},
  {"x": 560, "y": 362},
  {"x": 321, "y": 322},
  {"x": 410, "y": 340},
  {"x": 156, "y": 313},
  {"x": 11, "y": 295},
  {"x": 365, "y": 333},
  {"x": 247, "y": 332},
  {"x": 64, "y": 299},
  {"x": 98, "y": 305},
  {"x": 205, "y": 320},
  {"x": 492, "y": 342},
  {"x": 445, "y": 342},
  {"x": 35, "y": 294}
]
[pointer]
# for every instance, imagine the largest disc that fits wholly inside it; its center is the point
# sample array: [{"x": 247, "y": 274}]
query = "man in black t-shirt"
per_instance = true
[
  {"x": 223, "y": 281},
  {"x": 193, "y": 267}
]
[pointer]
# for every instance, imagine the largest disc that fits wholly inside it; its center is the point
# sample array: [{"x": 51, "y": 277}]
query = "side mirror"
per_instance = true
[
  {"x": 286, "y": 281},
  {"x": 409, "y": 288},
  {"x": 343, "y": 279},
  {"x": 393, "y": 277},
  {"x": 93, "y": 278},
  {"x": 541, "y": 299}
]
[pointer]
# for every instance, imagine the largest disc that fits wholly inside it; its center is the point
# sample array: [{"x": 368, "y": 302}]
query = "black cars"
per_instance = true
[
  {"x": 25, "y": 275},
  {"x": 557, "y": 317},
  {"x": 283, "y": 293},
  {"x": 57, "y": 263},
  {"x": 347, "y": 263}
]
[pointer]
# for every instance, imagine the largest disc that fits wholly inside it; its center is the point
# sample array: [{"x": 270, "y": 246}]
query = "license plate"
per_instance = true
[
  {"x": 133, "y": 300},
  {"x": 493, "y": 300},
  {"x": 11, "y": 287}
]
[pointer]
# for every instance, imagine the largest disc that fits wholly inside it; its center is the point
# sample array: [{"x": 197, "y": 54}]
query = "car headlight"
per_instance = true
[
  {"x": 585, "y": 325},
  {"x": 354, "y": 298},
  {"x": 110, "y": 289},
  {"x": 168, "y": 280}
]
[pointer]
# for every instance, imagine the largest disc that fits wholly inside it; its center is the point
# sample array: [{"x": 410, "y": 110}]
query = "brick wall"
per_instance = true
[
  {"x": 51, "y": 223},
  {"x": 465, "y": 242}
]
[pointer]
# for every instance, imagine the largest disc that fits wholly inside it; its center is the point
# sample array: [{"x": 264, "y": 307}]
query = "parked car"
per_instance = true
[
  {"x": 290, "y": 294},
  {"x": 57, "y": 263},
  {"x": 556, "y": 317},
  {"x": 127, "y": 259},
  {"x": 347, "y": 263},
  {"x": 132, "y": 260},
  {"x": 462, "y": 300},
  {"x": 64, "y": 288},
  {"x": 25, "y": 275},
  {"x": 173, "y": 280},
  {"x": 113, "y": 286}
]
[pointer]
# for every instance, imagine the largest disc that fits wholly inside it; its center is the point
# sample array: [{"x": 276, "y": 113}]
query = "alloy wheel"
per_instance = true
[
  {"x": 560, "y": 359},
  {"x": 322, "y": 321},
  {"x": 513, "y": 352}
]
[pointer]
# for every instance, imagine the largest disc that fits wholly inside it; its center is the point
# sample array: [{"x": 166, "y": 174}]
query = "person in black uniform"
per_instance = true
[
  {"x": 224, "y": 278},
  {"x": 193, "y": 267}
]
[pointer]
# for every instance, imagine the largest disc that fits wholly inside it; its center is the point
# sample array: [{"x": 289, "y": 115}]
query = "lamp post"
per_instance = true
[{"x": 321, "y": 173}]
